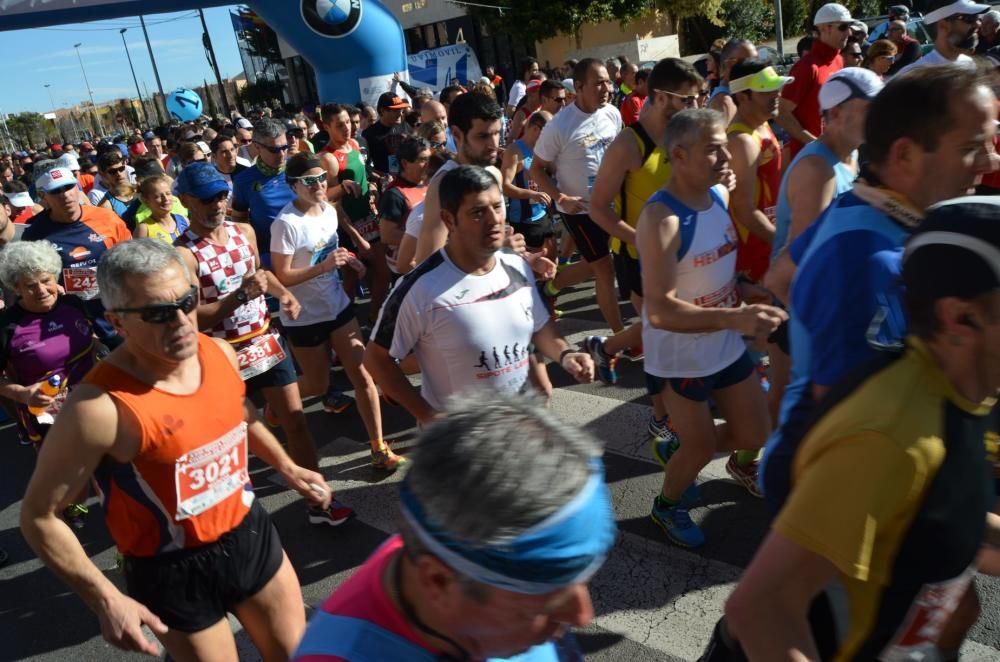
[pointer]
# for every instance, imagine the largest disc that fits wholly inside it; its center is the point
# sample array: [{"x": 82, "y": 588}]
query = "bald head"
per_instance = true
[{"x": 433, "y": 111}]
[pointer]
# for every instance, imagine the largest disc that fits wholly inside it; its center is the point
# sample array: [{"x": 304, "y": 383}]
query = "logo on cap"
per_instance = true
[
  {"x": 332, "y": 18},
  {"x": 56, "y": 174}
]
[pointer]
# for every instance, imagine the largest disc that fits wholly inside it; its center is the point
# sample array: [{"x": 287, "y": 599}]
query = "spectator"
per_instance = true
[
  {"x": 526, "y": 69},
  {"x": 988, "y": 34},
  {"x": 880, "y": 58},
  {"x": 907, "y": 47}
]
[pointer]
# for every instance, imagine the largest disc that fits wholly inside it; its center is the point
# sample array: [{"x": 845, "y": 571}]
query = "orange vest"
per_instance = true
[
  {"x": 754, "y": 254},
  {"x": 189, "y": 483}
]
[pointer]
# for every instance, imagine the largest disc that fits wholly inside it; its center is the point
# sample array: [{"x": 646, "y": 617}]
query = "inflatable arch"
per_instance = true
[{"x": 351, "y": 44}]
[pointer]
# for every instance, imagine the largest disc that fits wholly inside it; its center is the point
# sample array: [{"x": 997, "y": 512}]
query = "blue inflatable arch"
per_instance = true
[{"x": 351, "y": 44}]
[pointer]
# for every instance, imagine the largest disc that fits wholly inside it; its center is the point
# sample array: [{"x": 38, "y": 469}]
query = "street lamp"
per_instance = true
[
  {"x": 145, "y": 115},
  {"x": 87, "y": 82},
  {"x": 52, "y": 103}
]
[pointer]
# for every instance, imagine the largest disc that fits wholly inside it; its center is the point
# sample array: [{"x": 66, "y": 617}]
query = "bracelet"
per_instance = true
[{"x": 562, "y": 355}]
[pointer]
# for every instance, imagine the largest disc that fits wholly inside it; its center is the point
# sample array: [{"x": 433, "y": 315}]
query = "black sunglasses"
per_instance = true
[
  {"x": 163, "y": 313},
  {"x": 276, "y": 149},
  {"x": 844, "y": 27},
  {"x": 970, "y": 19},
  {"x": 61, "y": 189},
  {"x": 115, "y": 171}
]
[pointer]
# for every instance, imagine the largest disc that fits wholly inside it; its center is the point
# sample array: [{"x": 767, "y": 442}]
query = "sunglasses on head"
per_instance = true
[
  {"x": 310, "y": 180},
  {"x": 274, "y": 149},
  {"x": 115, "y": 171},
  {"x": 163, "y": 313}
]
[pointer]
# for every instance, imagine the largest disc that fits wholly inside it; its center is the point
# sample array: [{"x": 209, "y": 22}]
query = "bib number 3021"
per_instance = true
[{"x": 208, "y": 475}]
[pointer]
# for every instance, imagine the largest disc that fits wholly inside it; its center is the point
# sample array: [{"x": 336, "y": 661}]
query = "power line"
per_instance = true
[{"x": 186, "y": 16}]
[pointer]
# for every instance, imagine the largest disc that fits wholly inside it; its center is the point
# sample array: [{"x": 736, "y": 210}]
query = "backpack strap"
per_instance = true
[{"x": 646, "y": 147}]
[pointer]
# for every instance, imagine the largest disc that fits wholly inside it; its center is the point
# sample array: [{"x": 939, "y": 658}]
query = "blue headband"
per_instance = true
[{"x": 566, "y": 548}]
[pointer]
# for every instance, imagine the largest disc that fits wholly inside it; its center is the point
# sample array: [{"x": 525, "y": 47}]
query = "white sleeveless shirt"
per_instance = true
[{"x": 706, "y": 277}]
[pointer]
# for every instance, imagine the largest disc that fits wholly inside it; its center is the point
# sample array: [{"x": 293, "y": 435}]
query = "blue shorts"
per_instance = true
[{"x": 699, "y": 389}]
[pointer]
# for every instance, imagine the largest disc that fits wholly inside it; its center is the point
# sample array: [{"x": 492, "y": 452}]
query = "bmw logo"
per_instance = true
[{"x": 332, "y": 18}]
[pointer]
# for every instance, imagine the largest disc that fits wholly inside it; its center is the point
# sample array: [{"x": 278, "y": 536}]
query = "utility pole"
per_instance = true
[
  {"x": 207, "y": 41},
  {"x": 52, "y": 103},
  {"x": 93, "y": 105},
  {"x": 156, "y": 72},
  {"x": 145, "y": 115}
]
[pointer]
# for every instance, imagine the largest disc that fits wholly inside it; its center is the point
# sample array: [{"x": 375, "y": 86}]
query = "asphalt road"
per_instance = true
[{"x": 653, "y": 601}]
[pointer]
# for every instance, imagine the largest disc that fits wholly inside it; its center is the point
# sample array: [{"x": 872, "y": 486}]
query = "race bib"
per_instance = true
[
  {"x": 48, "y": 417},
  {"x": 208, "y": 475},
  {"x": 917, "y": 637},
  {"x": 260, "y": 356},
  {"x": 367, "y": 228},
  {"x": 81, "y": 281},
  {"x": 771, "y": 213}
]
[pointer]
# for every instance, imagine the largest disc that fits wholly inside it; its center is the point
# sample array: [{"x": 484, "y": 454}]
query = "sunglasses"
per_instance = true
[
  {"x": 163, "y": 313},
  {"x": 853, "y": 53},
  {"x": 215, "y": 198},
  {"x": 310, "y": 180},
  {"x": 844, "y": 27},
  {"x": 686, "y": 99},
  {"x": 62, "y": 189},
  {"x": 115, "y": 171},
  {"x": 561, "y": 99},
  {"x": 276, "y": 149},
  {"x": 970, "y": 19}
]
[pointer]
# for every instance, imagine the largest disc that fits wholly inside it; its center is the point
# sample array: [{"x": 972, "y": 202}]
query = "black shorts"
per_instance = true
[
  {"x": 193, "y": 589},
  {"x": 536, "y": 232},
  {"x": 628, "y": 274},
  {"x": 279, "y": 375},
  {"x": 699, "y": 389},
  {"x": 313, "y": 335},
  {"x": 591, "y": 240}
]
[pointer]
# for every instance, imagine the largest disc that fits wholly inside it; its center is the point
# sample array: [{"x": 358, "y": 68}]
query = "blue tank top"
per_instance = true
[
  {"x": 525, "y": 211},
  {"x": 119, "y": 207},
  {"x": 783, "y": 214}
]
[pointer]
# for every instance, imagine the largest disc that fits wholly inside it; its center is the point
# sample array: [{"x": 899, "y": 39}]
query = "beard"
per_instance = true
[{"x": 968, "y": 42}]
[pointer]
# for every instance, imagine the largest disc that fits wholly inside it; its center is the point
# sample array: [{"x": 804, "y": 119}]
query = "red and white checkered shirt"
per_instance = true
[{"x": 220, "y": 273}]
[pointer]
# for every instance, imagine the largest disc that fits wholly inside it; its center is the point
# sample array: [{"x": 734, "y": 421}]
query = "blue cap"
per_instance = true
[
  {"x": 149, "y": 135},
  {"x": 201, "y": 180}
]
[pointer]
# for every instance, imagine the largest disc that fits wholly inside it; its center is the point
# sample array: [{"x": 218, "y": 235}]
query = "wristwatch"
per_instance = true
[{"x": 241, "y": 295}]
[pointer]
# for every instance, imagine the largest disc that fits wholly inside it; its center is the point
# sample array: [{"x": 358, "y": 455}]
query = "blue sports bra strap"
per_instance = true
[{"x": 358, "y": 641}]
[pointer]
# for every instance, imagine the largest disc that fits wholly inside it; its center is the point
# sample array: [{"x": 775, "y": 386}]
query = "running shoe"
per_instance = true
[
  {"x": 745, "y": 475},
  {"x": 605, "y": 365},
  {"x": 270, "y": 418},
  {"x": 75, "y": 515},
  {"x": 664, "y": 448},
  {"x": 333, "y": 515},
  {"x": 384, "y": 459},
  {"x": 663, "y": 429},
  {"x": 336, "y": 402},
  {"x": 678, "y": 525},
  {"x": 634, "y": 354}
]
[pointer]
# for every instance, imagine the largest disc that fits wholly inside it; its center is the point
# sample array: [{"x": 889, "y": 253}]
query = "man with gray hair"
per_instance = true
[
  {"x": 988, "y": 36},
  {"x": 164, "y": 426},
  {"x": 504, "y": 519},
  {"x": 260, "y": 192}
]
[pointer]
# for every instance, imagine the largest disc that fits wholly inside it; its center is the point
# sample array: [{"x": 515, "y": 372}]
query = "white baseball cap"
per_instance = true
[
  {"x": 20, "y": 199},
  {"x": 54, "y": 179},
  {"x": 950, "y": 9},
  {"x": 244, "y": 123},
  {"x": 847, "y": 84},
  {"x": 68, "y": 160},
  {"x": 832, "y": 13}
]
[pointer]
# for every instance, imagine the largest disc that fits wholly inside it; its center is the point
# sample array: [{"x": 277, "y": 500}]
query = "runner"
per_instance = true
[
  {"x": 956, "y": 33},
  {"x": 402, "y": 195},
  {"x": 232, "y": 285},
  {"x": 633, "y": 103},
  {"x": 260, "y": 192},
  {"x": 531, "y": 102},
  {"x": 385, "y": 135},
  {"x": 635, "y": 167},
  {"x": 756, "y": 162},
  {"x": 527, "y": 211},
  {"x": 906, "y": 440},
  {"x": 81, "y": 234},
  {"x": 469, "y": 313},
  {"x": 306, "y": 257},
  {"x": 571, "y": 149},
  {"x": 844, "y": 303},
  {"x": 693, "y": 320},
  {"x": 798, "y": 108},
  {"x": 224, "y": 156},
  {"x": 553, "y": 96},
  {"x": 484, "y": 567},
  {"x": 734, "y": 52},
  {"x": 163, "y": 223},
  {"x": 164, "y": 425},
  {"x": 113, "y": 170}
]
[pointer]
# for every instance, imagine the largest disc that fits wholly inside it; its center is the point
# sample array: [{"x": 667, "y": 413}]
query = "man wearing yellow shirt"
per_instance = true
[{"x": 891, "y": 486}]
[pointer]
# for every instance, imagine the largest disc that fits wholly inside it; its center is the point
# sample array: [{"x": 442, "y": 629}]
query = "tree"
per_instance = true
[
  {"x": 262, "y": 93},
  {"x": 27, "y": 128},
  {"x": 536, "y": 21}
]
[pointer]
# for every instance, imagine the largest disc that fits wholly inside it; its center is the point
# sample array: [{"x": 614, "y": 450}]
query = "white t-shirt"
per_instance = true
[
  {"x": 575, "y": 142},
  {"x": 466, "y": 331},
  {"x": 934, "y": 57},
  {"x": 415, "y": 220},
  {"x": 309, "y": 239},
  {"x": 517, "y": 92}
]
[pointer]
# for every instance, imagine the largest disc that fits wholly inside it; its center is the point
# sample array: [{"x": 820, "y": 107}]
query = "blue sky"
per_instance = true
[{"x": 46, "y": 55}]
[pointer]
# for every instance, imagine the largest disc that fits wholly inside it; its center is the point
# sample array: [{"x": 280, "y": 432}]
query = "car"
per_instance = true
[{"x": 915, "y": 27}]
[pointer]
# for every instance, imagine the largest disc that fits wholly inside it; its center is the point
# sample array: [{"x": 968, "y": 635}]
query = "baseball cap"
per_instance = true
[
  {"x": 149, "y": 135},
  {"x": 899, "y": 10},
  {"x": 20, "y": 199},
  {"x": 765, "y": 80},
  {"x": 964, "y": 234},
  {"x": 389, "y": 101},
  {"x": 860, "y": 26},
  {"x": 532, "y": 85},
  {"x": 68, "y": 161},
  {"x": 944, "y": 9},
  {"x": 201, "y": 180},
  {"x": 55, "y": 178},
  {"x": 832, "y": 13},
  {"x": 569, "y": 86},
  {"x": 847, "y": 84},
  {"x": 244, "y": 123}
]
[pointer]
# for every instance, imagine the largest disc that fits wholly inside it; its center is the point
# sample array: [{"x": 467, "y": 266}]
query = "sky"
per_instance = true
[{"x": 46, "y": 55}]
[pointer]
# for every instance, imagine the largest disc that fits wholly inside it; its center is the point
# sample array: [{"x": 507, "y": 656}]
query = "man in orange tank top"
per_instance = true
[{"x": 164, "y": 426}]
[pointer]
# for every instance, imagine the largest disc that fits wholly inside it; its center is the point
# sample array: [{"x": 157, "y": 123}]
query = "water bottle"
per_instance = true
[{"x": 49, "y": 387}]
